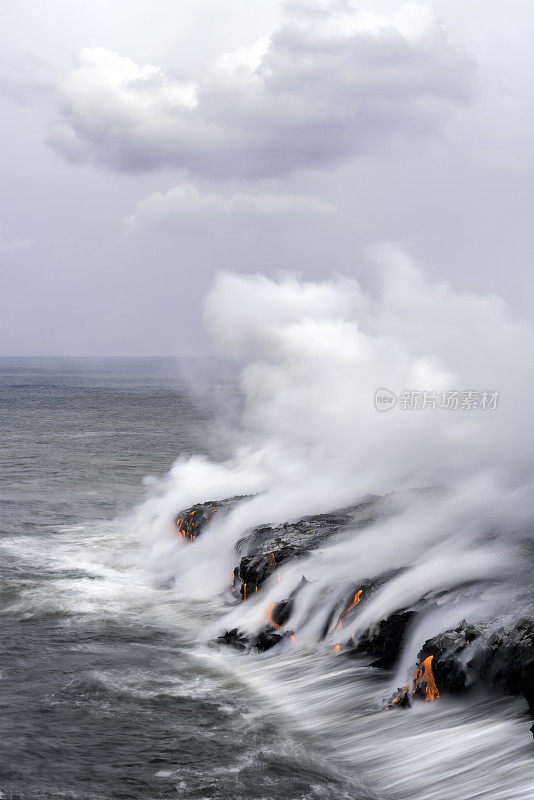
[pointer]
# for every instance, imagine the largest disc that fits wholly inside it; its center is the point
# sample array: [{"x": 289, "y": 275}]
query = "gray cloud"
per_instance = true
[
  {"x": 185, "y": 206},
  {"x": 459, "y": 201},
  {"x": 329, "y": 84}
]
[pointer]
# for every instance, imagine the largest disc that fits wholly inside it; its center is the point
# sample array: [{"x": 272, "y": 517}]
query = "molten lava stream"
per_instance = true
[
  {"x": 425, "y": 677},
  {"x": 354, "y": 603},
  {"x": 270, "y": 619}
]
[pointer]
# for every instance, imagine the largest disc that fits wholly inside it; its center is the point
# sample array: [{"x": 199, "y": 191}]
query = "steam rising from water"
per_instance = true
[
  {"x": 458, "y": 484},
  {"x": 312, "y": 440}
]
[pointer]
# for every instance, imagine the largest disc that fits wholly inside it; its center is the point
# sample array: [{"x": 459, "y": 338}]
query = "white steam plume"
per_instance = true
[{"x": 312, "y": 440}]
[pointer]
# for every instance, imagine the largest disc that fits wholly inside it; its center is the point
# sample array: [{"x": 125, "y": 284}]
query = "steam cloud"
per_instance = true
[{"x": 459, "y": 482}]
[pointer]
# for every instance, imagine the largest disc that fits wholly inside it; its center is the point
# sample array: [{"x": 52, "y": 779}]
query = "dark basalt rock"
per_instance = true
[
  {"x": 401, "y": 699},
  {"x": 502, "y": 661},
  {"x": 279, "y": 614},
  {"x": 450, "y": 670},
  {"x": 467, "y": 657},
  {"x": 281, "y": 611},
  {"x": 267, "y": 547},
  {"x": 252, "y": 571},
  {"x": 527, "y": 684},
  {"x": 263, "y": 641},
  {"x": 234, "y": 638},
  {"x": 192, "y": 522},
  {"x": 385, "y": 639},
  {"x": 505, "y": 662},
  {"x": 267, "y": 639},
  {"x": 452, "y": 662},
  {"x": 368, "y": 588}
]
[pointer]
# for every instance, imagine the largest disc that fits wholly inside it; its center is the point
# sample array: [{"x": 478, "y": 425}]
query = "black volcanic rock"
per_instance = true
[
  {"x": 341, "y": 604},
  {"x": 401, "y": 699},
  {"x": 253, "y": 570},
  {"x": 267, "y": 547},
  {"x": 281, "y": 612},
  {"x": 527, "y": 684},
  {"x": 192, "y": 522},
  {"x": 267, "y": 639},
  {"x": 452, "y": 662},
  {"x": 263, "y": 641},
  {"x": 450, "y": 671},
  {"x": 277, "y": 616},
  {"x": 502, "y": 661},
  {"x": 385, "y": 639},
  {"x": 234, "y": 638},
  {"x": 505, "y": 662}
]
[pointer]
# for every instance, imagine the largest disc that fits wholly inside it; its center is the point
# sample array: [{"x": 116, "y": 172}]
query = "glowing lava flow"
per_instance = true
[
  {"x": 424, "y": 677},
  {"x": 354, "y": 603},
  {"x": 270, "y": 619},
  {"x": 186, "y": 525},
  {"x": 401, "y": 699},
  {"x": 423, "y": 681},
  {"x": 272, "y": 623}
]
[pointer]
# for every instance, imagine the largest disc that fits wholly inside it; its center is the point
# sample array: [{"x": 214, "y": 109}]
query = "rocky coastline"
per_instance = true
[{"x": 471, "y": 657}]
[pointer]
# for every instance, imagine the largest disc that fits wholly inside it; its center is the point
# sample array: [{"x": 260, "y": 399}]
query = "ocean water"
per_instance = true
[{"x": 104, "y": 692}]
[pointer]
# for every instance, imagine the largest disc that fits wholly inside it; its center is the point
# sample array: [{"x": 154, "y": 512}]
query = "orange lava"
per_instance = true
[
  {"x": 424, "y": 677},
  {"x": 186, "y": 525},
  {"x": 354, "y": 603},
  {"x": 398, "y": 698},
  {"x": 270, "y": 619}
]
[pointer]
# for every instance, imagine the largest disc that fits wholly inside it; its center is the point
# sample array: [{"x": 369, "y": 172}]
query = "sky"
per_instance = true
[{"x": 149, "y": 145}]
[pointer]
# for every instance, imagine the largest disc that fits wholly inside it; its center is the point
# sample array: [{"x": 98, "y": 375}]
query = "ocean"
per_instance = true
[{"x": 102, "y": 692}]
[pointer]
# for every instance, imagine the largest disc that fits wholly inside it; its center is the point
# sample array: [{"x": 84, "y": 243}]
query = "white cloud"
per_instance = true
[
  {"x": 328, "y": 84},
  {"x": 185, "y": 206}
]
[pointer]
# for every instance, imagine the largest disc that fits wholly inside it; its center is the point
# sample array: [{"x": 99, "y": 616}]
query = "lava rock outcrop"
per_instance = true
[
  {"x": 192, "y": 522},
  {"x": 267, "y": 547},
  {"x": 384, "y": 641},
  {"x": 469, "y": 656},
  {"x": 456, "y": 661}
]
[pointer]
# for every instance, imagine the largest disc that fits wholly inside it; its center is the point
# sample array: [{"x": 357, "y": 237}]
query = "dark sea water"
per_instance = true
[{"x": 102, "y": 691}]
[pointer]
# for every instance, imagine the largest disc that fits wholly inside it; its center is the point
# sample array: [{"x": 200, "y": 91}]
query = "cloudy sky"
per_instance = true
[{"x": 147, "y": 145}]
